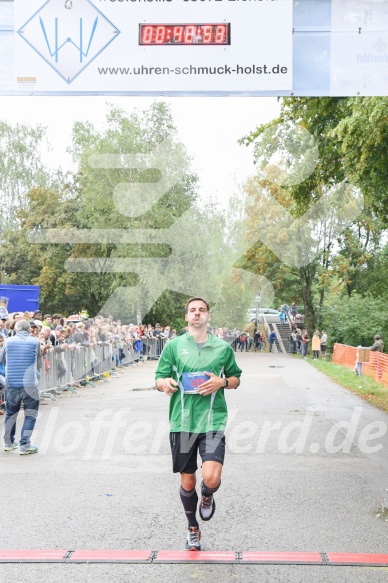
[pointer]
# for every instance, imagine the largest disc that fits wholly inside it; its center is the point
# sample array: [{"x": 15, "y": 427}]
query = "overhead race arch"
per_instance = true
[{"x": 194, "y": 47}]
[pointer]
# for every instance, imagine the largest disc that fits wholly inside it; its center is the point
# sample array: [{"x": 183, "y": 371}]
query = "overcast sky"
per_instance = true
[{"x": 209, "y": 128}]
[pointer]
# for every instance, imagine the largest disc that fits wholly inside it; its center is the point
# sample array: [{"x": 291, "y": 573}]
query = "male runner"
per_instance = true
[{"x": 194, "y": 369}]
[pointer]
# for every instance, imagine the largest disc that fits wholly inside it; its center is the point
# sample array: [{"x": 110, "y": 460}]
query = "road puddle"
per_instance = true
[{"x": 382, "y": 513}]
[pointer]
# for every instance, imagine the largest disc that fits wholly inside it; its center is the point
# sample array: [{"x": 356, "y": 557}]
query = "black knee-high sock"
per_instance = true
[
  {"x": 190, "y": 502},
  {"x": 206, "y": 491}
]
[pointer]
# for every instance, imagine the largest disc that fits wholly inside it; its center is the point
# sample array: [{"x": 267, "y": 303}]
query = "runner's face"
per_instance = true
[{"x": 197, "y": 315}]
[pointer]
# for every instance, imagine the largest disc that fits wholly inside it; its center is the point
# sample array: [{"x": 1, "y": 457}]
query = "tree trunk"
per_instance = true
[{"x": 307, "y": 275}]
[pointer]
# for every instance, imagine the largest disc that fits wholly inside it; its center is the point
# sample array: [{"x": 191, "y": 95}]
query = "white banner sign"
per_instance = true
[
  {"x": 153, "y": 45},
  {"x": 359, "y": 47}
]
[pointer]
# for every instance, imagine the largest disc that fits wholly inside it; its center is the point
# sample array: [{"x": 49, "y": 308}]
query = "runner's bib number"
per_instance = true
[{"x": 192, "y": 380}]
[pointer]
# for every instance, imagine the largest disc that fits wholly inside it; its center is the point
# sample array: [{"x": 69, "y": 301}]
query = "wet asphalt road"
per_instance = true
[{"x": 306, "y": 470}]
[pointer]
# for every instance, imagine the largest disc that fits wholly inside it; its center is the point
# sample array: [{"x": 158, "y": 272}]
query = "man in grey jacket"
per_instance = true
[{"x": 21, "y": 355}]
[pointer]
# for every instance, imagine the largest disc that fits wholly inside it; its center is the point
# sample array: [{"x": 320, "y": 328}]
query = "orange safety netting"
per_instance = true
[{"x": 376, "y": 368}]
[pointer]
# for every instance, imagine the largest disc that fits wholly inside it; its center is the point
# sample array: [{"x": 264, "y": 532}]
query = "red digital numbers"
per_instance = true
[
  {"x": 146, "y": 35},
  {"x": 207, "y": 33},
  {"x": 178, "y": 34},
  {"x": 184, "y": 34},
  {"x": 220, "y": 34},
  {"x": 196, "y": 382},
  {"x": 190, "y": 34},
  {"x": 160, "y": 35}
]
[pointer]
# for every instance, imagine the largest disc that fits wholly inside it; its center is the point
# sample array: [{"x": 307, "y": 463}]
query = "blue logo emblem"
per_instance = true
[{"x": 68, "y": 35}]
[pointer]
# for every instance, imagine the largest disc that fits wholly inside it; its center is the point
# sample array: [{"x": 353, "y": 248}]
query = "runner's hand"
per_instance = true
[
  {"x": 212, "y": 385},
  {"x": 168, "y": 386}
]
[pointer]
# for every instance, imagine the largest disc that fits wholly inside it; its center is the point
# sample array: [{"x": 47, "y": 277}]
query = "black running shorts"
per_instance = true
[{"x": 186, "y": 446}]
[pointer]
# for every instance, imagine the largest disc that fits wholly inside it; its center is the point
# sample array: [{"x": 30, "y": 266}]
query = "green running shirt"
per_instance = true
[{"x": 195, "y": 413}]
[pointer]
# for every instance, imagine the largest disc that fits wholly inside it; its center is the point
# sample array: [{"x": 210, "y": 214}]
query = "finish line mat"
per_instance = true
[{"x": 214, "y": 557}]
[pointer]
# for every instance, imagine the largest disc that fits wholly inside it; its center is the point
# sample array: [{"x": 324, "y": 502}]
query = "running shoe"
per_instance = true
[
  {"x": 207, "y": 506},
  {"x": 193, "y": 541},
  {"x": 11, "y": 447},
  {"x": 28, "y": 451}
]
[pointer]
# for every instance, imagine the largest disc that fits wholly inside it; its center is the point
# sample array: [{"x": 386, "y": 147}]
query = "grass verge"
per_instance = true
[{"x": 367, "y": 388}]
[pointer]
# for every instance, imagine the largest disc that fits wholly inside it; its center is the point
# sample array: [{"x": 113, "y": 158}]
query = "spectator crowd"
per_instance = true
[{"x": 300, "y": 340}]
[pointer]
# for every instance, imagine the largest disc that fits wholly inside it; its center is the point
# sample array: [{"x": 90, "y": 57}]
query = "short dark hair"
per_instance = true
[
  {"x": 196, "y": 300},
  {"x": 57, "y": 316}
]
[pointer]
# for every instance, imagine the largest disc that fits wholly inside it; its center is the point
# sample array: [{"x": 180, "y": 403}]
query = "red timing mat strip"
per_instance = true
[
  {"x": 244, "y": 557},
  {"x": 357, "y": 559},
  {"x": 46, "y": 556},
  {"x": 110, "y": 556},
  {"x": 195, "y": 556},
  {"x": 281, "y": 557}
]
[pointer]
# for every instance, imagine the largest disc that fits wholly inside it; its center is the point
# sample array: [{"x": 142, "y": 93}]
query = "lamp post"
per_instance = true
[{"x": 258, "y": 300}]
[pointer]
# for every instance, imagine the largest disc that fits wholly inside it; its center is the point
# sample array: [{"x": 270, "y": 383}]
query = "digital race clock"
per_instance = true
[{"x": 185, "y": 34}]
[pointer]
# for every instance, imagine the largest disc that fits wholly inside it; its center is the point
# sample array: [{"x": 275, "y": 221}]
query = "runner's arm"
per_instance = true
[{"x": 163, "y": 379}]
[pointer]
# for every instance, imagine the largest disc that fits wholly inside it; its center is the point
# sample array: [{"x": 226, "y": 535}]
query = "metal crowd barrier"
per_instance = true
[
  {"x": 60, "y": 371},
  {"x": 152, "y": 347}
]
